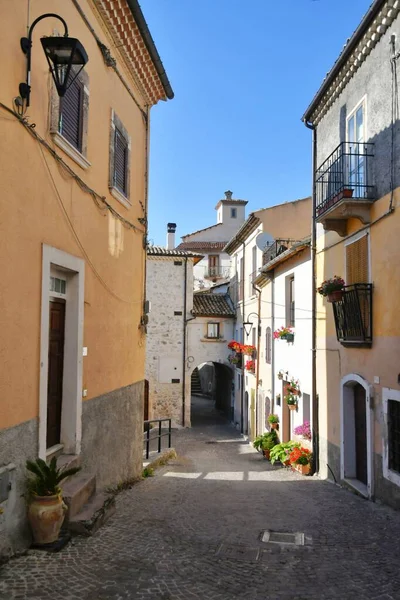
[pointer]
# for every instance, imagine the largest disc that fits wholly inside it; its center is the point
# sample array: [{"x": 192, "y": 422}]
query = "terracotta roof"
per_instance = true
[
  {"x": 212, "y": 305},
  {"x": 201, "y": 245},
  {"x": 160, "y": 251},
  {"x": 200, "y": 230}
]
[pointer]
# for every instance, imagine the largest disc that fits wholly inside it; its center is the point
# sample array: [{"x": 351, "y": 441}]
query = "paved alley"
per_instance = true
[{"x": 193, "y": 532}]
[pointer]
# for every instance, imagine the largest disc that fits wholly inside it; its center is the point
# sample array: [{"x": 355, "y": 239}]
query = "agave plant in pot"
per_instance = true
[{"x": 46, "y": 510}]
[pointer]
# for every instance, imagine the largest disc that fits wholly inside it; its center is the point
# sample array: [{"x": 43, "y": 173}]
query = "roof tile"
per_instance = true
[{"x": 212, "y": 305}]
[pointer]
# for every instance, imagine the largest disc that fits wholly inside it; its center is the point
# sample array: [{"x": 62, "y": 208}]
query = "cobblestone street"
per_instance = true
[{"x": 193, "y": 532}]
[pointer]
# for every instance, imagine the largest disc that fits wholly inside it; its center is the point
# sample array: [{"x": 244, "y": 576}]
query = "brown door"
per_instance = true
[
  {"x": 360, "y": 421},
  {"x": 146, "y": 400},
  {"x": 55, "y": 374},
  {"x": 285, "y": 431}
]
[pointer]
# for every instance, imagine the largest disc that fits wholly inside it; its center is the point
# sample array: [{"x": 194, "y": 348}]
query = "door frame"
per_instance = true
[
  {"x": 347, "y": 434},
  {"x": 71, "y": 418}
]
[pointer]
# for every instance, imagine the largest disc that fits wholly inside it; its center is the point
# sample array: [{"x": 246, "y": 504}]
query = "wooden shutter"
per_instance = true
[
  {"x": 268, "y": 345},
  {"x": 71, "y": 114},
  {"x": 120, "y": 161},
  {"x": 357, "y": 261}
]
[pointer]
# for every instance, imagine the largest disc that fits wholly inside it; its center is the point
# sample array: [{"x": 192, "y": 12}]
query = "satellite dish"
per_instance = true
[{"x": 263, "y": 240}]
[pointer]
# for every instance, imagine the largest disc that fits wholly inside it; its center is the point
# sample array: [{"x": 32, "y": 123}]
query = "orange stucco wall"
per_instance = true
[
  {"x": 34, "y": 210},
  {"x": 381, "y": 360}
]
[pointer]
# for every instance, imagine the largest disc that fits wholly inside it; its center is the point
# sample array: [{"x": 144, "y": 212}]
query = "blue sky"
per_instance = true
[{"x": 243, "y": 73}]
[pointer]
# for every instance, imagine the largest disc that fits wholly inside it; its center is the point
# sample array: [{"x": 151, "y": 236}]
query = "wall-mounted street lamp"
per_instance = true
[
  {"x": 248, "y": 325},
  {"x": 61, "y": 53}
]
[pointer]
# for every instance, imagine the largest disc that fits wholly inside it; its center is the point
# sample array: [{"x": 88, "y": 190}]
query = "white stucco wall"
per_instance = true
[
  {"x": 295, "y": 358},
  {"x": 202, "y": 268}
]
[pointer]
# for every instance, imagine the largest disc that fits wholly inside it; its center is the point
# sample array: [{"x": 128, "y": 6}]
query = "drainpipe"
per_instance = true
[
  {"x": 258, "y": 290},
  {"x": 315, "y": 413},
  {"x": 242, "y": 340},
  {"x": 184, "y": 346},
  {"x": 272, "y": 342}
]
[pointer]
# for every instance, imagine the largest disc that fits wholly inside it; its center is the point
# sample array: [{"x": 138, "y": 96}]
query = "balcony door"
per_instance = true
[
  {"x": 355, "y": 151},
  {"x": 213, "y": 265}
]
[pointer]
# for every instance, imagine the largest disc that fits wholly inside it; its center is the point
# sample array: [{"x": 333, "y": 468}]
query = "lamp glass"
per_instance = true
[{"x": 248, "y": 326}]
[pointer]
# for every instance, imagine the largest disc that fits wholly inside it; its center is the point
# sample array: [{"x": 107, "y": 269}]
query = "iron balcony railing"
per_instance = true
[
  {"x": 218, "y": 272},
  {"x": 274, "y": 249},
  {"x": 353, "y": 315},
  {"x": 346, "y": 173},
  {"x": 151, "y": 435}
]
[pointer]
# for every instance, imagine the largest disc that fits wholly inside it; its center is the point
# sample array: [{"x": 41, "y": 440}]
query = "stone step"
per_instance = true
[
  {"x": 69, "y": 461},
  {"x": 77, "y": 491},
  {"x": 93, "y": 515}
]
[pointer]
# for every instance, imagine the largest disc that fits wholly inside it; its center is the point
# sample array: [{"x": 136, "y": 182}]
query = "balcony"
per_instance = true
[
  {"x": 353, "y": 316},
  {"x": 273, "y": 250},
  {"x": 343, "y": 187},
  {"x": 215, "y": 273}
]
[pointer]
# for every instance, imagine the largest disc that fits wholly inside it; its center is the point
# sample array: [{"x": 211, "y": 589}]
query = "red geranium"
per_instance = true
[{"x": 300, "y": 456}]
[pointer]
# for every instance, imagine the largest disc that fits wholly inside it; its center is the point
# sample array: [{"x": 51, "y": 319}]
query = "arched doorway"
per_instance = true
[
  {"x": 356, "y": 434},
  {"x": 211, "y": 396}
]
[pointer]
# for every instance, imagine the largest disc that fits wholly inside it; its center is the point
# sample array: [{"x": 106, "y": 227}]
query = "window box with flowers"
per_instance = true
[
  {"x": 248, "y": 350},
  {"x": 284, "y": 333},
  {"x": 300, "y": 460},
  {"x": 332, "y": 288},
  {"x": 237, "y": 357}
]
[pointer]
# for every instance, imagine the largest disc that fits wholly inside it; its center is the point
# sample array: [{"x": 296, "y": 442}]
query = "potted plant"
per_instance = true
[
  {"x": 273, "y": 420},
  {"x": 304, "y": 430},
  {"x": 283, "y": 332},
  {"x": 292, "y": 393},
  {"x": 250, "y": 366},
  {"x": 281, "y": 452},
  {"x": 332, "y": 288},
  {"x": 249, "y": 350},
  {"x": 300, "y": 460},
  {"x": 46, "y": 510},
  {"x": 263, "y": 443}
]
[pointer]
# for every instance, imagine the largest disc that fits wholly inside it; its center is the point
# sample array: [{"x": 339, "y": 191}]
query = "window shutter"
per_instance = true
[
  {"x": 71, "y": 114},
  {"x": 120, "y": 161},
  {"x": 357, "y": 261},
  {"x": 268, "y": 344}
]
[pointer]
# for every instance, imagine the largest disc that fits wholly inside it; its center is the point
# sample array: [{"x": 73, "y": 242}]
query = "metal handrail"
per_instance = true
[{"x": 160, "y": 435}]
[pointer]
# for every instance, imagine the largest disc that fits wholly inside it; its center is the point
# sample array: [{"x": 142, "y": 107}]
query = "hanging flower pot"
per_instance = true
[
  {"x": 335, "y": 296},
  {"x": 292, "y": 406}
]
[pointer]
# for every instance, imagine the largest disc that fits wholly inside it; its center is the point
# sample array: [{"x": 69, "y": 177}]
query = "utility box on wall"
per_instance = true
[{"x": 169, "y": 368}]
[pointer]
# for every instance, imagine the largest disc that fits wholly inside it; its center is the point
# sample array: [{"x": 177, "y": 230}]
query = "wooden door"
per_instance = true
[
  {"x": 285, "y": 430},
  {"x": 360, "y": 423},
  {"x": 55, "y": 372}
]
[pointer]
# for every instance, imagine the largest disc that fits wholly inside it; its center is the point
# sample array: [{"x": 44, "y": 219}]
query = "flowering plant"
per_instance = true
[
  {"x": 236, "y": 346},
  {"x": 304, "y": 430},
  {"x": 328, "y": 286},
  {"x": 235, "y": 359},
  {"x": 249, "y": 350},
  {"x": 292, "y": 392},
  {"x": 282, "y": 332},
  {"x": 300, "y": 456},
  {"x": 250, "y": 365},
  {"x": 273, "y": 418}
]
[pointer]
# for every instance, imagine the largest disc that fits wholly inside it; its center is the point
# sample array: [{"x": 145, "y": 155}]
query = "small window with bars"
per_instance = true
[
  {"x": 71, "y": 114},
  {"x": 394, "y": 435}
]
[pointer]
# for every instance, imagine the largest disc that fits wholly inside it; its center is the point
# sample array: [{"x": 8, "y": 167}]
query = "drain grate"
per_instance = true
[{"x": 282, "y": 537}]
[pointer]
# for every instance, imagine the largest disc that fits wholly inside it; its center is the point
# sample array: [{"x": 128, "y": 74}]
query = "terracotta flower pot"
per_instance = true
[
  {"x": 292, "y": 406},
  {"x": 335, "y": 296},
  {"x": 303, "y": 469},
  {"x": 266, "y": 454},
  {"x": 46, "y": 515},
  {"x": 274, "y": 425}
]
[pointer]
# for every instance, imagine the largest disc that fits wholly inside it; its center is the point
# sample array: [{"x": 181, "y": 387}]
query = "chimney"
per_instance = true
[{"x": 171, "y": 228}]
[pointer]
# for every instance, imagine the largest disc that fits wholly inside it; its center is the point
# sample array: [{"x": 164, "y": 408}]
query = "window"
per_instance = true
[
  {"x": 268, "y": 345},
  {"x": 233, "y": 213},
  {"x": 357, "y": 270},
  {"x": 213, "y": 265},
  {"x": 355, "y": 158},
  {"x": 393, "y": 417},
  {"x": 119, "y": 160},
  {"x": 58, "y": 285},
  {"x": 290, "y": 301},
  {"x": 213, "y": 330},
  {"x": 71, "y": 114},
  {"x": 69, "y": 119}
]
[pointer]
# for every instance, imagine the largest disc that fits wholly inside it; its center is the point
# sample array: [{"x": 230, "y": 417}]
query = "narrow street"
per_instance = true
[{"x": 193, "y": 531}]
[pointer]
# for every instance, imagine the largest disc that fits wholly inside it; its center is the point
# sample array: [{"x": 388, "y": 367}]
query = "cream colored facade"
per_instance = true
[{"x": 61, "y": 218}]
